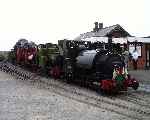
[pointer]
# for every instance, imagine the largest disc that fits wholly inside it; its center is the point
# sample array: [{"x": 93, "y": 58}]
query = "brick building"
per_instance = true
[
  {"x": 120, "y": 35},
  {"x": 143, "y": 50}
]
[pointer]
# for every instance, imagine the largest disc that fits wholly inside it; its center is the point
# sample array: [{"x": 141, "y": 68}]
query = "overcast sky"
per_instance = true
[{"x": 44, "y": 21}]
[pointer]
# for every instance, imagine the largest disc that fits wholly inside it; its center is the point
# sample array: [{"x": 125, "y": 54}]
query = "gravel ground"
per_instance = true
[
  {"x": 56, "y": 100},
  {"x": 19, "y": 100}
]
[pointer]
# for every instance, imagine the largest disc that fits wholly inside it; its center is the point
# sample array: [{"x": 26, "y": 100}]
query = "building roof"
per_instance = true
[
  {"x": 139, "y": 39},
  {"x": 147, "y": 37},
  {"x": 118, "y": 40},
  {"x": 105, "y": 39},
  {"x": 104, "y": 32}
]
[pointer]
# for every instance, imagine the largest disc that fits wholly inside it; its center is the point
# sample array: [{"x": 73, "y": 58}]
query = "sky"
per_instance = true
[{"x": 43, "y": 21}]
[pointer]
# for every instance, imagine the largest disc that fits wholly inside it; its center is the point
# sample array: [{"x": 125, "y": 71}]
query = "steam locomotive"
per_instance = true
[{"x": 100, "y": 64}]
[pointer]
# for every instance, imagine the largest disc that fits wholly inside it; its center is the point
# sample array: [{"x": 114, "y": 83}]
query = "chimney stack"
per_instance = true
[
  {"x": 95, "y": 29},
  {"x": 100, "y": 26}
]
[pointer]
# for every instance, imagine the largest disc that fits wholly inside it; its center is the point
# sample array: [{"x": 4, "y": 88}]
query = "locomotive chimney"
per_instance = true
[
  {"x": 95, "y": 29},
  {"x": 100, "y": 26}
]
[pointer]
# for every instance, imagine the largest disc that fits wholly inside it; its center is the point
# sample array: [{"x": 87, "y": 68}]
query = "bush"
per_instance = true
[{"x": 2, "y": 57}]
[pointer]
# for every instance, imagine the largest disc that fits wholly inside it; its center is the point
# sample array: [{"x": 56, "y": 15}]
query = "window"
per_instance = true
[{"x": 139, "y": 49}]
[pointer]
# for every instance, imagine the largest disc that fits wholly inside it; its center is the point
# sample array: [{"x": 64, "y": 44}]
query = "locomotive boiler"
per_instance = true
[{"x": 99, "y": 64}]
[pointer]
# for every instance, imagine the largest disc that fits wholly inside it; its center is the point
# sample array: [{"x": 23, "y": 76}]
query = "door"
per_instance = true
[
  {"x": 147, "y": 58},
  {"x": 148, "y": 55}
]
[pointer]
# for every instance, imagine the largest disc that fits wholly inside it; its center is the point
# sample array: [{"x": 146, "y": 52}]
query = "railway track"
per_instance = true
[
  {"x": 129, "y": 105},
  {"x": 131, "y": 97}
]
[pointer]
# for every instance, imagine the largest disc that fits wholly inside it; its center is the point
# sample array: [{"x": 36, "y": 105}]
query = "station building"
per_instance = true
[{"x": 120, "y": 35}]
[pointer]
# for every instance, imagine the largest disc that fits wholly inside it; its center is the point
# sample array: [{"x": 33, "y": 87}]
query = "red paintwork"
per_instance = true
[
  {"x": 110, "y": 85},
  {"x": 23, "y": 53},
  {"x": 55, "y": 72},
  {"x": 131, "y": 82}
]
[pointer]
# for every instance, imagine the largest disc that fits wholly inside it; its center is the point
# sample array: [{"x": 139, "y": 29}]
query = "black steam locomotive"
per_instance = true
[{"x": 96, "y": 63}]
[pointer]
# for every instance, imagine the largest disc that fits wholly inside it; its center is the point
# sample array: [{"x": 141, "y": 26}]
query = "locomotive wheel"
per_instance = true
[
  {"x": 100, "y": 90},
  {"x": 135, "y": 85},
  {"x": 69, "y": 77}
]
